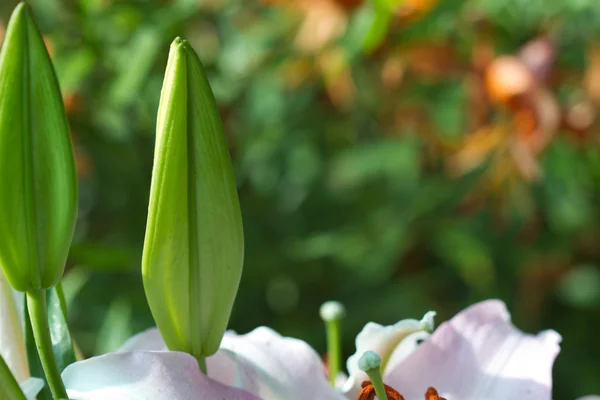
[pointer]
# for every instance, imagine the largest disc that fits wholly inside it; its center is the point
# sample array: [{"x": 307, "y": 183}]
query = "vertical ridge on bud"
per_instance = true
[
  {"x": 193, "y": 250},
  {"x": 39, "y": 199}
]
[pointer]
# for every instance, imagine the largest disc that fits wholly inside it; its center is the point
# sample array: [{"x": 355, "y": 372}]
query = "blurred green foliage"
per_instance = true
[{"x": 369, "y": 164}]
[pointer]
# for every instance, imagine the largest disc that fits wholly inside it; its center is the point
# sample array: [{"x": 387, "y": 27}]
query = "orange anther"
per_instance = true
[
  {"x": 368, "y": 392},
  {"x": 432, "y": 394}
]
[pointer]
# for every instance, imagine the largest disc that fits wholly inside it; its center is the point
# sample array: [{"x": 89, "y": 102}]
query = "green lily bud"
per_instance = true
[
  {"x": 194, "y": 245},
  {"x": 38, "y": 204}
]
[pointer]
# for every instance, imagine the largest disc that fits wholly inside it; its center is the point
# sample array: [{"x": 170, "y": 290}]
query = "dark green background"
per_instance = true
[{"x": 347, "y": 201}]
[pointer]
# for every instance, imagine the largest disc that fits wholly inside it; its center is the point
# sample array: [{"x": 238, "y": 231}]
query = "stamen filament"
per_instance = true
[
  {"x": 332, "y": 312},
  {"x": 370, "y": 363}
]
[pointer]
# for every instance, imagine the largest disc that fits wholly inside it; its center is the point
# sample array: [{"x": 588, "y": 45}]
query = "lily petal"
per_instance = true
[
  {"x": 31, "y": 387},
  {"x": 479, "y": 354},
  {"x": 271, "y": 366},
  {"x": 12, "y": 342},
  {"x": 393, "y": 343},
  {"x": 262, "y": 362},
  {"x": 144, "y": 375},
  {"x": 147, "y": 340}
]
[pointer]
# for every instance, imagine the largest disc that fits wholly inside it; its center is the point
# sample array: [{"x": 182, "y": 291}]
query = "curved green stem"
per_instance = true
[
  {"x": 10, "y": 388},
  {"x": 36, "y": 303}
]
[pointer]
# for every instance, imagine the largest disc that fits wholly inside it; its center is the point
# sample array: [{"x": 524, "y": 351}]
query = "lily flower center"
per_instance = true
[{"x": 368, "y": 393}]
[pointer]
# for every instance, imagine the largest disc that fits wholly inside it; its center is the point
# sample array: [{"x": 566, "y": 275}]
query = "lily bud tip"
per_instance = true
[
  {"x": 21, "y": 11},
  {"x": 177, "y": 42}
]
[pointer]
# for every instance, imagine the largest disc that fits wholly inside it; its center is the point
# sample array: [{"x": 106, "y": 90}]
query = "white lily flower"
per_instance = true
[
  {"x": 477, "y": 355},
  {"x": 12, "y": 342},
  {"x": 393, "y": 343},
  {"x": 31, "y": 387},
  {"x": 261, "y": 362},
  {"x": 145, "y": 375}
]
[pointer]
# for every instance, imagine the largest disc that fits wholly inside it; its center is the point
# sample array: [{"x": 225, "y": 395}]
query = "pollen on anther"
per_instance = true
[
  {"x": 368, "y": 392},
  {"x": 432, "y": 394}
]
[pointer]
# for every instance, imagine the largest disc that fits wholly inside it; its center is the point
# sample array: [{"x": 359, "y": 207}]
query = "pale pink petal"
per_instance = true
[
  {"x": 479, "y": 354},
  {"x": 147, "y": 340},
  {"x": 393, "y": 343},
  {"x": 340, "y": 380},
  {"x": 271, "y": 366},
  {"x": 261, "y": 362},
  {"x": 406, "y": 347},
  {"x": 12, "y": 341},
  {"x": 144, "y": 375}
]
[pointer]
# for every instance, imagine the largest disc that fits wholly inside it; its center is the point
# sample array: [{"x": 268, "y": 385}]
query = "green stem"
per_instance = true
[
  {"x": 10, "y": 388},
  {"x": 377, "y": 382},
  {"x": 36, "y": 303},
  {"x": 334, "y": 349},
  {"x": 202, "y": 365}
]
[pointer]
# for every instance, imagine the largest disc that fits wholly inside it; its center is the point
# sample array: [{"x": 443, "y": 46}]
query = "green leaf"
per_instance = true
[
  {"x": 10, "y": 389},
  {"x": 38, "y": 205},
  {"x": 62, "y": 345},
  {"x": 380, "y": 16},
  {"x": 194, "y": 245}
]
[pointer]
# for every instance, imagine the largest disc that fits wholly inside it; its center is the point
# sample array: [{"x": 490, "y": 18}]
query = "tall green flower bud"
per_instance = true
[
  {"x": 194, "y": 245},
  {"x": 38, "y": 199}
]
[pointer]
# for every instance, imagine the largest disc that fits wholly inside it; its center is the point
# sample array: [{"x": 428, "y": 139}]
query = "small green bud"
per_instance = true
[
  {"x": 194, "y": 245},
  {"x": 38, "y": 203}
]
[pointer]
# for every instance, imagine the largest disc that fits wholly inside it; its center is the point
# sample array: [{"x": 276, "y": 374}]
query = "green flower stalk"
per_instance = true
[
  {"x": 38, "y": 204},
  {"x": 332, "y": 313},
  {"x": 194, "y": 245}
]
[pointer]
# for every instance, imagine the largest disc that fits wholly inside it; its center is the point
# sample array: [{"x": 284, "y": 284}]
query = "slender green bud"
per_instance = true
[
  {"x": 194, "y": 245},
  {"x": 38, "y": 204}
]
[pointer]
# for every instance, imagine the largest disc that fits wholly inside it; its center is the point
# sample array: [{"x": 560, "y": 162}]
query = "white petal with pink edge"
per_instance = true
[
  {"x": 480, "y": 355},
  {"x": 145, "y": 375},
  {"x": 261, "y": 362},
  {"x": 393, "y": 343},
  {"x": 271, "y": 366}
]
